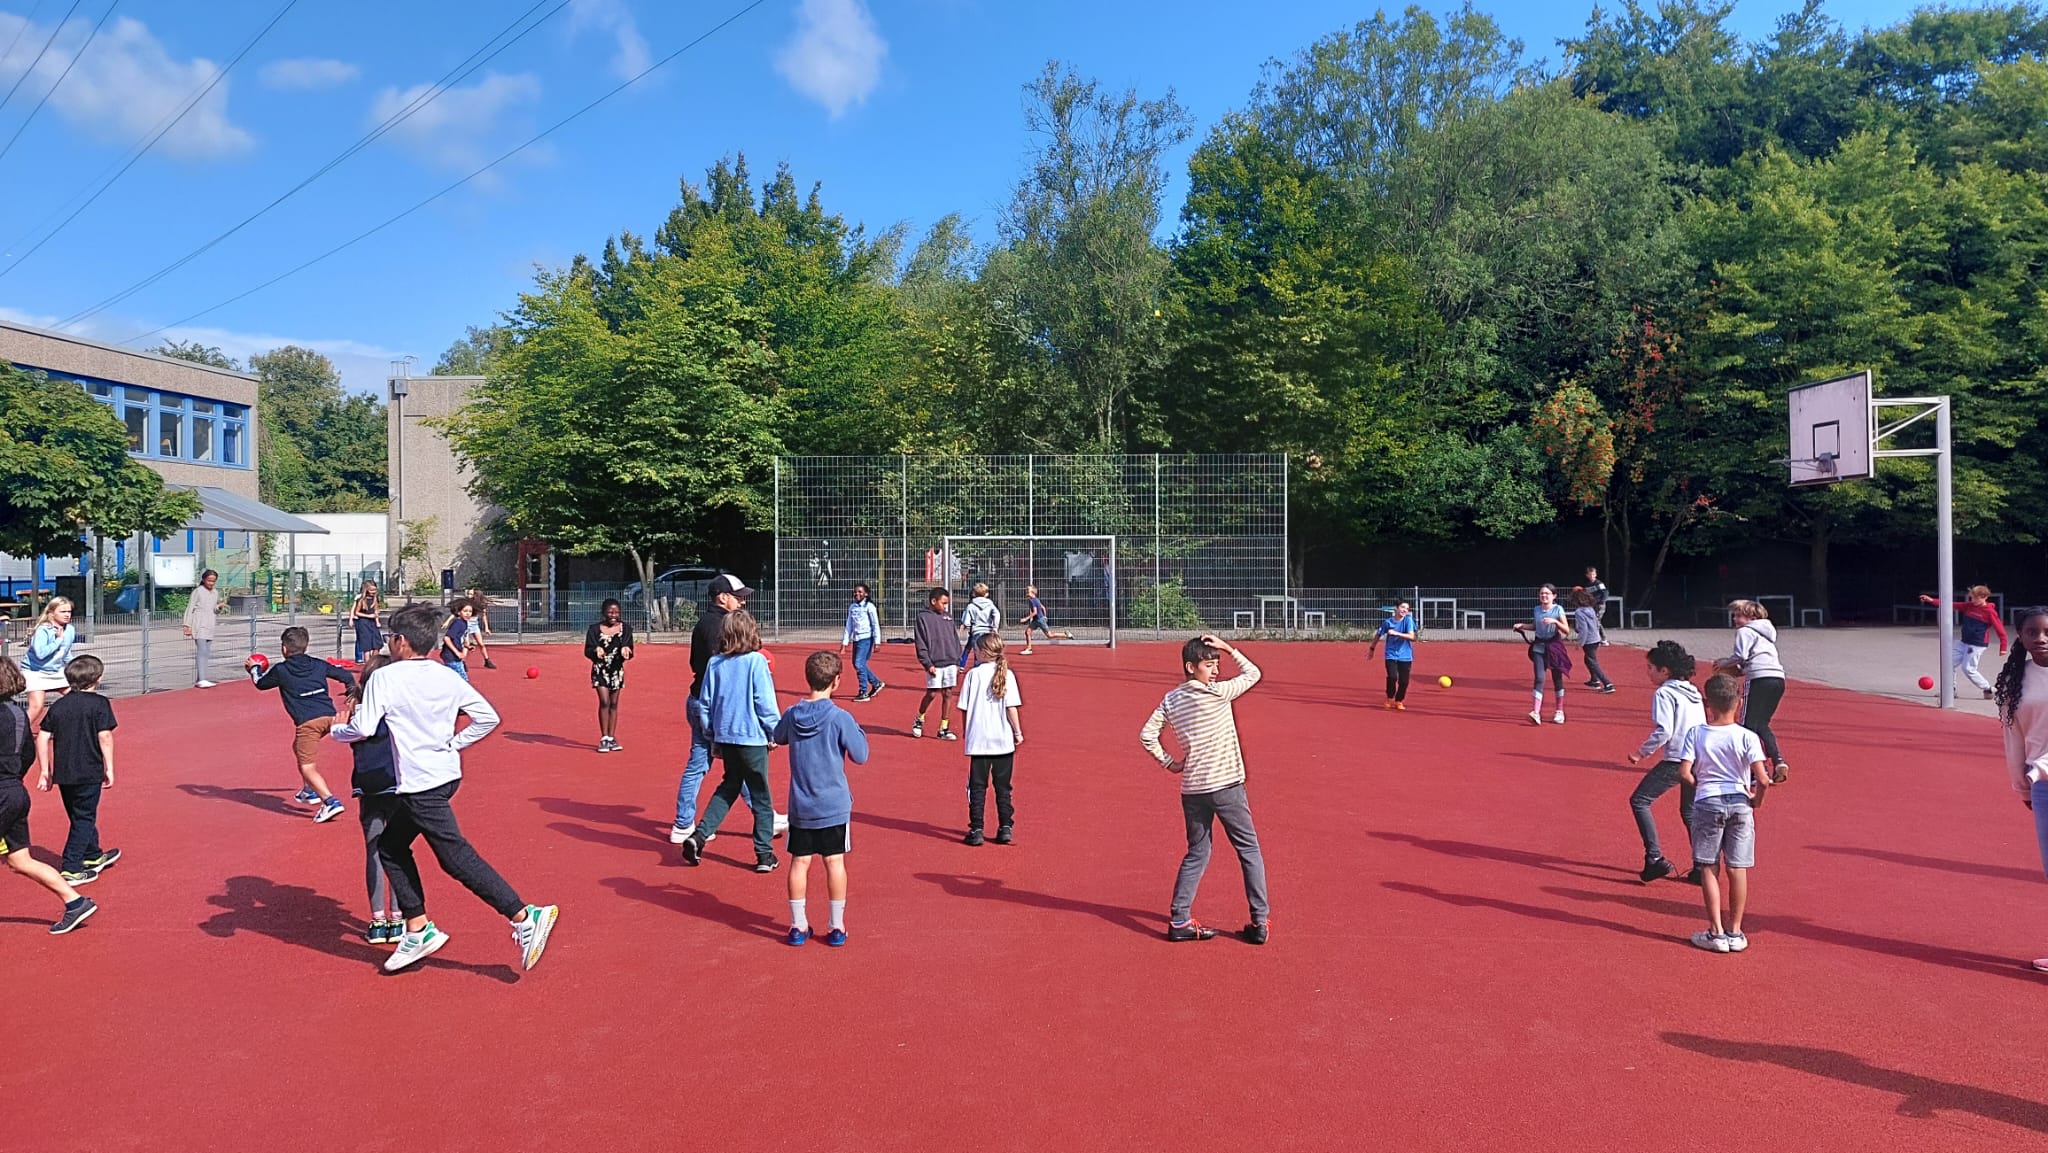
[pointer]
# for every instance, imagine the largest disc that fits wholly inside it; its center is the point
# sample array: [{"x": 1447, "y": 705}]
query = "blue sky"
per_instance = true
[{"x": 905, "y": 109}]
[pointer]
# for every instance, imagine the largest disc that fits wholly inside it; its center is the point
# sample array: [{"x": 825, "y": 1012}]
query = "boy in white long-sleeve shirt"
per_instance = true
[
  {"x": 420, "y": 699},
  {"x": 1674, "y": 712}
]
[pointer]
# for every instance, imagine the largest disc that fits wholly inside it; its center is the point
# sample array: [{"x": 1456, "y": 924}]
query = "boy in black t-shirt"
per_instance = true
[
  {"x": 76, "y": 752},
  {"x": 17, "y": 749}
]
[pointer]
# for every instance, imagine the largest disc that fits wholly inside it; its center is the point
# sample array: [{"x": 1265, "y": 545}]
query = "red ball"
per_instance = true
[
  {"x": 257, "y": 661},
  {"x": 532, "y": 672},
  {"x": 1926, "y": 682}
]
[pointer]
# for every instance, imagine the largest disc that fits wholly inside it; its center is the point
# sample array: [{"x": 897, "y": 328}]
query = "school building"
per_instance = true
[{"x": 192, "y": 424}]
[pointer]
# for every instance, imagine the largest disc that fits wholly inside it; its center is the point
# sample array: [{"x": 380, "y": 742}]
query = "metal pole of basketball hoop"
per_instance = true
[{"x": 1944, "y": 512}]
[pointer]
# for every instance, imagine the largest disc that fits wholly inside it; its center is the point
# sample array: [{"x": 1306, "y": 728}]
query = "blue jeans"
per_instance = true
[
  {"x": 2040, "y": 795},
  {"x": 695, "y": 768},
  {"x": 862, "y": 649}
]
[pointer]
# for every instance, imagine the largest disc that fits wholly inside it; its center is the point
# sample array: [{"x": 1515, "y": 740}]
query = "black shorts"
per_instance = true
[
  {"x": 831, "y": 842},
  {"x": 13, "y": 817}
]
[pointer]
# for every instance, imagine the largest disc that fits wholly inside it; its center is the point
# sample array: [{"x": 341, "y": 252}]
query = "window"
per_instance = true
[
  {"x": 170, "y": 439},
  {"x": 231, "y": 444},
  {"x": 167, "y": 426},
  {"x": 137, "y": 420},
  {"x": 99, "y": 388},
  {"x": 202, "y": 439}
]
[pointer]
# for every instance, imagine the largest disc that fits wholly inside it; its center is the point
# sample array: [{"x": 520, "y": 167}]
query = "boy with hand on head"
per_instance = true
[
  {"x": 1674, "y": 713},
  {"x": 1721, "y": 760},
  {"x": 938, "y": 649},
  {"x": 301, "y": 683},
  {"x": 821, "y": 738},
  {"x": 421, "y": 700},
  {"x": 1211, "y": 768},
  {"x": 17, "y": 753},
  {"x": 76, "y": 752}
]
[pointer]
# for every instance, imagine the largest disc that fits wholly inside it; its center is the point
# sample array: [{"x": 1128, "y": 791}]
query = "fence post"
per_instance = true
[
  {"x": 903, "y": 523},
  {"x": 146, "y": 586},
  {"x": 775, "y": 594},
  {"x": 1158, "y": 594},
  {"x": 1286, "y": 553}
]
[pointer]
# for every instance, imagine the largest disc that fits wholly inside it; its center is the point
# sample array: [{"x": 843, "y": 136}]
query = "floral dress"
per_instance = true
[{"x": 608, "y": 658}]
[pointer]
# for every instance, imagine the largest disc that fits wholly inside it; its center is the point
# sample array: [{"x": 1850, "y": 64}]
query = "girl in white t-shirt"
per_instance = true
[
  {"x": 990, "y": 700},
  {"x": 2022, "y": 696}
]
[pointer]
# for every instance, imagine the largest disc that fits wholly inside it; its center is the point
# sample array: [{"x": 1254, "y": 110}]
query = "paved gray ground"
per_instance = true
[{"x": 1887, "y": 661}]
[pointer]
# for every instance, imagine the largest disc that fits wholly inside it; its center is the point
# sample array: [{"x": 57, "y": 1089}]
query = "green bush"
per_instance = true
[
  {"x": 1175, "y": 609},
  {"x": 427, "y": 586}
]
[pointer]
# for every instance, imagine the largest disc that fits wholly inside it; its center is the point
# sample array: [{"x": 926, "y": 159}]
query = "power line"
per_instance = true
[
  {"x": 388, "y": 222},
  {"x": 59, "y": 27},
  {"x": 474, "y": 61},
  {"x": 75, "y": 58},
  {"x": 136, "y": 152},
  {"x": 26, "y": 22}
]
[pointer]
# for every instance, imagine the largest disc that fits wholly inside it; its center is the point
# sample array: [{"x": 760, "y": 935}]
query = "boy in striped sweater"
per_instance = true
[{"x": 1211, "y": 768}]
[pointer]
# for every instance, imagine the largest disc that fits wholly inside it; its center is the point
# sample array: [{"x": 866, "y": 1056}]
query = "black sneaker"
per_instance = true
[
  {"x": 1005, "y": 835},
  {"x": 877, "y": 690},
  {"x": 105, "y": 860},
  {"x": 489, "y": 663},
  {"x": 1254, "y": 933},
  {"x": 1656, "y": 870},
  {"x": 863, "y": 698},
  {"x": 693, "y": 852},
  {"x": 74, "y": 917},
  {"x": 973, "y": 837},
  {"x": 1693, "y": 877},
  {"x": 767, "y": 864},
  {"x": 1606, "y": 688},
  {"x": 1192, "y": 931},
  {"x": 948, "y": 735},
  {"x": 80, "y": 877},
  {"x": 1779, "y": 772}
]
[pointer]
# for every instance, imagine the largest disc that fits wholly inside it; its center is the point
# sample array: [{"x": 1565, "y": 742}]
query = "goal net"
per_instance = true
[{"x": 1075, "y": 577}]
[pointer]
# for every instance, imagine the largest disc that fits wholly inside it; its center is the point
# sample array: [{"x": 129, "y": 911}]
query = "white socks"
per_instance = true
[
  {"x": 799, "y": 917},
  {"x": 839, "y": 914}
]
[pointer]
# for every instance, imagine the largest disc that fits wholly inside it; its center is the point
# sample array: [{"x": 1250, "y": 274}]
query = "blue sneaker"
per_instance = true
[
  {"x": 799, "y": 936},
  {"x": 836, "y": 938},
  {"x": 306, "y": 797},
  {"x": 328, "y": 811}
]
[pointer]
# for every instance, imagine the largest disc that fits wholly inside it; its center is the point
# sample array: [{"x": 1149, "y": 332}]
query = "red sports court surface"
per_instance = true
[{"x": 1462, "y": 958}]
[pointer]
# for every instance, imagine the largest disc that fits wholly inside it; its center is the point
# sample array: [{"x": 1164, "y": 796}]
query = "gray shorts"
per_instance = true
[{"x": 1723, "y": 826}]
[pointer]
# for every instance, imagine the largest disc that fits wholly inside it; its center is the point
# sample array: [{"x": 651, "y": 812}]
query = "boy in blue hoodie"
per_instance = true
[
  {"x": 821, "y": 737},
  {"x": 301, "y": 682}
]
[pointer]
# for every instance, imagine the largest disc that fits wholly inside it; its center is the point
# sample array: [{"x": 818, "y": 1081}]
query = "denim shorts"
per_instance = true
[{"x": 1723, "y": 826}]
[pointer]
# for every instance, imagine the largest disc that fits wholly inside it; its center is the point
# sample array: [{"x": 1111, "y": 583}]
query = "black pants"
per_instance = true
[
  {"x": 1595, "y": 675},
  {"x": 429, "y": 814},
  {"x": 744, "y": 765},
  {"x": 980, "y": 772},
  {"x": 1760, "y": 704},
  {"x": 82, "y": 805},
  {"x": 1397, "y": 679}
]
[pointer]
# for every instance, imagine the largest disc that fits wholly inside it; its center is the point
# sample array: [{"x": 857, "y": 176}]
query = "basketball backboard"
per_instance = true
[{"x": 1830, "y": 431}]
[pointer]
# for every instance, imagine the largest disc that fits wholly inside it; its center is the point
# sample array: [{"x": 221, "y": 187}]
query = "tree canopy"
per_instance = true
[{"x": 65, "y": 469}]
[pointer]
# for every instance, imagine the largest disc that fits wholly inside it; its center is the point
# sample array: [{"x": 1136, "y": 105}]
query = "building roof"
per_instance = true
[
  {"x": 67, "y": 338},
  {"x": 223, "y": 511}
]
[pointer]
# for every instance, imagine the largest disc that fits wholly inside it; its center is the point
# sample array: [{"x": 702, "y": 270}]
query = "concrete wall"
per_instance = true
[
  {"x": 429, "y": 479},
  {"x": 59, "y": 354}
]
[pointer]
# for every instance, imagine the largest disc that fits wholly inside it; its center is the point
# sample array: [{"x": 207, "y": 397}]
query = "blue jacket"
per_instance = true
[
  {"x": 863, "y": 623},
  {"x": 737, "y": 700},
  {"x": 49, "y": 648},
  {"x": 301, "y": 680},
  {"x": 821, "y": 737}
]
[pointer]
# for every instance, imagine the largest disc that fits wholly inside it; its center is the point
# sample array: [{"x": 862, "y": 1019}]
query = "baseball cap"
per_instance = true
[{"x": 728, "y": 583}]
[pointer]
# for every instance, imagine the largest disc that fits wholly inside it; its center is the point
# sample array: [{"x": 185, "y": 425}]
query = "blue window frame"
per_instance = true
[{"x": 171, "y": 426}]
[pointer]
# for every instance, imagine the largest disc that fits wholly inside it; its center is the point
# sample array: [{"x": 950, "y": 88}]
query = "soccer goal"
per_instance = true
[{"x": 1075, "y": 577}]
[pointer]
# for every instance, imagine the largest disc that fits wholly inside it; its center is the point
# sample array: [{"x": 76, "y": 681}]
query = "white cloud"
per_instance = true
[
  {"x": 307, "y": 74},
  {"x": 836, "y": 55},
  {"x": 630, "y": 56},
  {"x": 124, "y": 86},
  {"x": 454, "y": 129}
]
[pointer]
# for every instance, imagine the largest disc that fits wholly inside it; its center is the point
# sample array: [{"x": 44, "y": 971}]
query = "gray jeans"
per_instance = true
[
  {"x": 202, "y": 656},
  {"x": 1202, "y": 811}
]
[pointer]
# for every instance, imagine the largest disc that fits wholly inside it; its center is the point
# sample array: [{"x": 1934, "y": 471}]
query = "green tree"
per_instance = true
[
  {"x": 198, "y": 353},
  {"x": 320, "y": 449},
  {"x": 65, "y": 469},
  {"x": 473, "y": 353}
]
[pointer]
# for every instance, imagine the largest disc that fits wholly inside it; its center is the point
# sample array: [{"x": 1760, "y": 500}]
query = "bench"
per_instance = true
[
  {"x": 1312, "y": 619},
  {"x": 1241, "y": 620},
  {"x": 1640, "y": 619},
  {"x": 1812, "y": 618},
  {"x": 1467, "y": 616}
]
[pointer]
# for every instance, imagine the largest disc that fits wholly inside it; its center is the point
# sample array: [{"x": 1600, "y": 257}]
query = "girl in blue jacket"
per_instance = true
[{"x": 736, "y": 709}]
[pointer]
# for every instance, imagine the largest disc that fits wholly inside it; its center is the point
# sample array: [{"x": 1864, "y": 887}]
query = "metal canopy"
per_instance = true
[{"x": 223, "y": 511}]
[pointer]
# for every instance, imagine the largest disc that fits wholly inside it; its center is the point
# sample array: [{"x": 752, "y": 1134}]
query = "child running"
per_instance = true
[
  {"x": 375, "y": 786},
  {"x": 454, "y": 646},
  {"x": 1034, "y": 617},
  {"x": 821, "y": 737},
  {"x": 17, "y": 753},
  {"x": 938, "y": 649},
  {"x": 1212, "y": 776},
  {"x": 1545, "y": 633},
  {"x": 49, "y": 650},
  {"x": 1756, "y": 661},
  {"x": 75, "y": 749},
  {"x": 989, "y": 701},
  {"x": 1400, "y": 633},
  {"x": 1721, "y": 759},
  {"x": 980, "y": 618},
  {"x": 1586, "y": 621},
  {"x": 608, "y": 645},
  {"x": 1674, "y": 713},
  {"x": 736, "y": 710},
  {"x": 1978, "y": 616},
  {"x": 480, "y": 625},
  {"x": 301, "y": 683},
  {"x": 421, "y": 701},
  {"x": 2023, "y": 707}
]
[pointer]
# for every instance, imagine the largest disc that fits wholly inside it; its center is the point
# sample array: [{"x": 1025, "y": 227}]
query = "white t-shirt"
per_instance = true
[
  {"x": 988, "y": 725},
  {"x": 1721, "y": 756}
]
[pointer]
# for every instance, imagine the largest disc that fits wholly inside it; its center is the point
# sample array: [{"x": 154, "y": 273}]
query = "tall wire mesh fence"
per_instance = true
[{"x": 1195, "y": 538}]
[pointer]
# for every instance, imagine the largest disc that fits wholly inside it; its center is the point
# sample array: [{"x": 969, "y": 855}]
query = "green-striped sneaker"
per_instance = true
[
  {"x": 414, "y": 946},
  {"x": 531, "y": 935}
]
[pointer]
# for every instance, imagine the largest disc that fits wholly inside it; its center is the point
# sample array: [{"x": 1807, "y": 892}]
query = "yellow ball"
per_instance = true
[{"x": 1444, "y": 681}]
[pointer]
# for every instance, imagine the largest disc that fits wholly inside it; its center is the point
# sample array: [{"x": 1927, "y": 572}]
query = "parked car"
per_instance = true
[{"x": 688, "y": 582}]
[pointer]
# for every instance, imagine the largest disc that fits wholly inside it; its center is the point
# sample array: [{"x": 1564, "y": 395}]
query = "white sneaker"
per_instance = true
[
  {"x": 1024, "y": 652},
  {"x": 1737, "y": 942},
  {"x": 1557, "y": 718},
  {"x": 781, "y": 823},
  {"x": 2041, "y": 964},
  {"x": 677, "y": 834},
  {"x": 531, "y": 935},
  {"x": 1711, "y": 941},
  {"x": 415, "y": 946},
  {"x": 202, "y": 684},
  {"x": 1535, "y": 718}
]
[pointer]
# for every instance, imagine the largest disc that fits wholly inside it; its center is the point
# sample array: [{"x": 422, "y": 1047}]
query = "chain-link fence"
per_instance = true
[{"x": 1161, "y": 542}]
